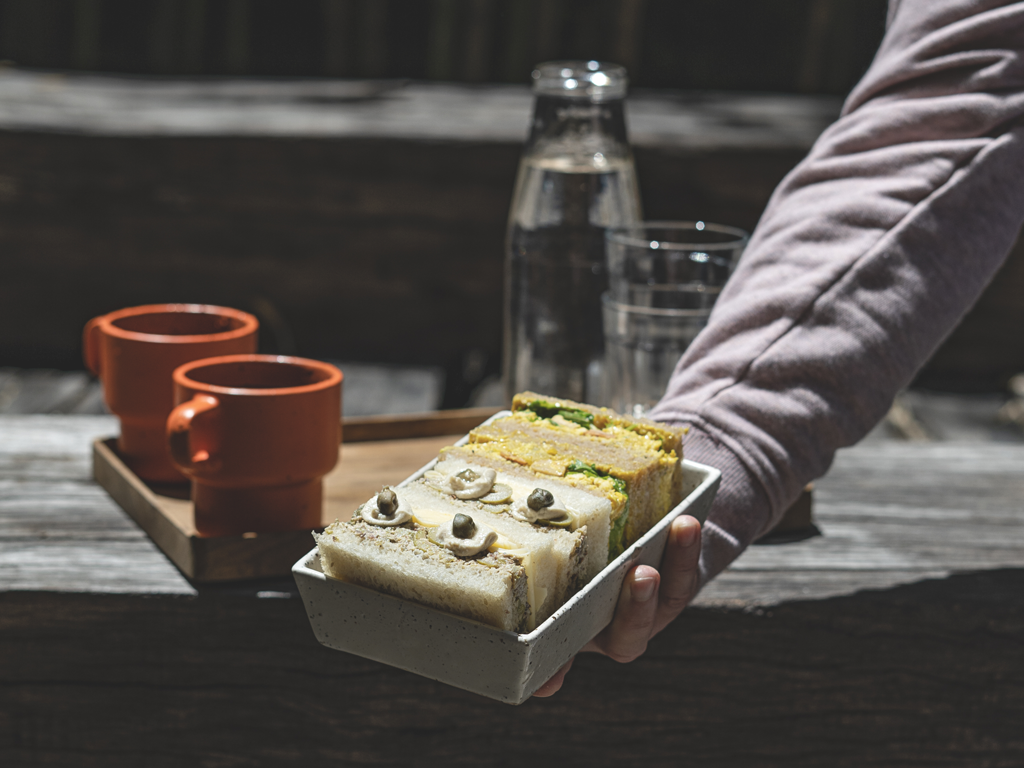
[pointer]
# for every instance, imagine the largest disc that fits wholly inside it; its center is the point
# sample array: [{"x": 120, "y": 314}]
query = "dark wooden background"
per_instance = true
[
  {"x": 813, "y": 46},
  {"x": 358, "y": 249},
  {"x": 380, "y": 247}
]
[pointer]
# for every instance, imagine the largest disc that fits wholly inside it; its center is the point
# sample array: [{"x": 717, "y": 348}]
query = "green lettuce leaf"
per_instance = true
[
  {"x": 548, "y": 410},
  {"x": 615, "y": 535},
  {"x": 582, "y": 468},
  {"x": 618, "y": 530}
]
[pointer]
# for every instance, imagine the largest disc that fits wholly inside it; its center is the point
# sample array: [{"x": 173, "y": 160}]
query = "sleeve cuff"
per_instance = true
[{"x": 741, "y": 511}]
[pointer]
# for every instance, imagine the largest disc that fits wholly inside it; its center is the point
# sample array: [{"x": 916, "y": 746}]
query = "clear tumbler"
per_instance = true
[
  {"x": 672, "y": 264},
  {"x": 642, "y": 347},
  {"x": 665, "y": 277}
]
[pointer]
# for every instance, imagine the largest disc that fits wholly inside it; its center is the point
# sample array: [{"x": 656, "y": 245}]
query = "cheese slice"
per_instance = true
[
  {"x": 431, "y": 518},
  {"x": 588, "y": 510},
  {"x": 431, "y": 506}
]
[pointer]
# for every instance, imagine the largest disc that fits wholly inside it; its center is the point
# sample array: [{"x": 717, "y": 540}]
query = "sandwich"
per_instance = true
[
  {"x": 634, "y": 463},
  {"x": 505, "y": 529},
  {"x": 387, "y": 548}
]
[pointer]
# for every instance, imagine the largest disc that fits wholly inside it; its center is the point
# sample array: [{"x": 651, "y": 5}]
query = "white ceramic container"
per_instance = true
[{"x": 470, "y": 655}]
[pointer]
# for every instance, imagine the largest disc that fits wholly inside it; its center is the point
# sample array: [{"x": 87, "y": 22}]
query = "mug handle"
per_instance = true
[
  {"x": 179, "y": 430},
  {"x": 91, "y": 345}
]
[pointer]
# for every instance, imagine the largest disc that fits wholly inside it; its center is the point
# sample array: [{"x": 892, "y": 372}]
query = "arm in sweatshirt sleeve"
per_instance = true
[{"x": 867, "y": 255}]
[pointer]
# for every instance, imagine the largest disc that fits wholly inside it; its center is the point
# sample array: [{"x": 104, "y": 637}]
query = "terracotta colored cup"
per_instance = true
[
  {"x": 134, "y": 351},
  {"x": 256, "y": 433}
]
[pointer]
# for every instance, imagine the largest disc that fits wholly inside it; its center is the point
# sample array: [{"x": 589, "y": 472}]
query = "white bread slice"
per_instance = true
[
  {"x": 401, "y": 561},
  {"x": 549, "y": 567},
  {"x": 591, "y": 510}
]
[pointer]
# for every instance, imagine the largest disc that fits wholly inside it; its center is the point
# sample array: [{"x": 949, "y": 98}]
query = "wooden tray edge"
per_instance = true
[
  {"x": 434, "y": 424},
  {"x": 228, "y": 558},
  {"x": 135, "y": 498}
]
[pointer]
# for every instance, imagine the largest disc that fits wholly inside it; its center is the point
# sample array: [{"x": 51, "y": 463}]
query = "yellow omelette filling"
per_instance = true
[
  {"x": 648, "y": 477},
  {"x": 602, "y": 419},
  {"x": 646, "y": 443}
]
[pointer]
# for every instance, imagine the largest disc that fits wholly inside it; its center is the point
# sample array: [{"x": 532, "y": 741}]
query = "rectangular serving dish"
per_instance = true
[{"x": 494, "y": 663}]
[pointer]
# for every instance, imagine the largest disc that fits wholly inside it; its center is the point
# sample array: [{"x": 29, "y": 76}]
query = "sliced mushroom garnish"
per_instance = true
[
  {"x": 387, "y": 509},
  {"x": 433, "y": 477},
  {"x": 500, "y": 494},
  {"x": 463, "y": 536},
  {"x": 472, "y": 483},
  {"x": 542, "y": 506},
  {"x": 430, "y": 518}
]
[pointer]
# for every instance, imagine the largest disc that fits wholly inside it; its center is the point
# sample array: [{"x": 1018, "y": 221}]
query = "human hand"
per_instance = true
[{"x": 649, "y": 600}]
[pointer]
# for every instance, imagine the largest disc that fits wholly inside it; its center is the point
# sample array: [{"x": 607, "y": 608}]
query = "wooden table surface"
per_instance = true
[{"x": 894, "y": 638}]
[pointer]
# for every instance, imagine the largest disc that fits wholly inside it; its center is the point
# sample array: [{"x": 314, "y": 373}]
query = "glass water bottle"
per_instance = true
[{"x": 576, "y": 179}]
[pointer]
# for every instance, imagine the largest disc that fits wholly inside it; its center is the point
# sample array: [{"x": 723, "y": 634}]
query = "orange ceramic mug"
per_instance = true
[
  {"x": 256, "y": 433},
  {"x": 134, "y": 351}
]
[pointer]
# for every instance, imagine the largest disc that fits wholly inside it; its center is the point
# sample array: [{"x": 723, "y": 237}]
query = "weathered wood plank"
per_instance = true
[
  {"x": 454, "y": 422},
  {"x": 117, "y": 106},
  {"x": 47, "y": 391},
  {"x": 813, "y": 651},
  {"x": 928, "y": 674},
  {"x": 905, "y": 507},
  {"x": 401, "y": 198},
  {"x": 315, "y": 203},
  {"x": 169, "y": 520},
  {"x": 369, "y": 390},
  {"x": 58, "y": 530},
  {"x": 86, "y": 565},
  {"x": 891, "y": 513},
  {"x": 52, "y": 436},
  {"x": 752, "y": 589}
]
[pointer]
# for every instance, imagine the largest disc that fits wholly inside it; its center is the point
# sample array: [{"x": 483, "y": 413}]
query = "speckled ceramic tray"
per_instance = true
[{"x": 470, "y": 655}]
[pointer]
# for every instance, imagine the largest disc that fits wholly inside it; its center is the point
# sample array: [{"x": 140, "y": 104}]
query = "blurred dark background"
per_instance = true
[
  {"x": 810, "y": 46},
  {"x": 245, "y": 152}
]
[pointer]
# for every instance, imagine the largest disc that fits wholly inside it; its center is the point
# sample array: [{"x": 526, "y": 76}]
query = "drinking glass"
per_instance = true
[
  {"x": 664, "y": 277},
  {"x": 642, "y": 346},
  {"x": 672, "y": 264}
]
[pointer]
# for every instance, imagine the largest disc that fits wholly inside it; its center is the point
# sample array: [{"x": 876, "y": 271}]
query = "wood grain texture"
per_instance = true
[
  {"x": 59, "y": 531},
  {"x": 452, "y": 422},
  {"x": 168, "y": 518},
  {"x": 49, "y": 391},
  {"x": 892, "y": 513},
  {"x": 884, "y": 507},
  {"x": 315, "y": 203},
  {"x": 117, "y": 106},
  {"x": 166, "y": 515},
  {"x": 925, "y": 675},
  {"x": 894, "y": 639}
]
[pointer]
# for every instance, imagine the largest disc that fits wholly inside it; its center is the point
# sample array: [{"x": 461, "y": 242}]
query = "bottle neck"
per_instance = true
[{"x": 578, "y": 129}]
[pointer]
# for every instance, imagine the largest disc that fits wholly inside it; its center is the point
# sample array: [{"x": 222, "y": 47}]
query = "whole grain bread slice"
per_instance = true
[{"x": 400, "y": 561}]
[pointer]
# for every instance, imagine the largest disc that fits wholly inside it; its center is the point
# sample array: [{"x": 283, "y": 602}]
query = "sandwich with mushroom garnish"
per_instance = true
[
  {"x": 584, "y": 509},
  {"x": 634, "y": 463},
  {"x": 508, "y": 527},
  {"x": 567, "y": 413},
  {"x": 555, "y": 562},
  {"x": 450, "y": 554}
]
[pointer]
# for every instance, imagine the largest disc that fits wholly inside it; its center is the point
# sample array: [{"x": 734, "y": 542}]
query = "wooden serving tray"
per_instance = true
[{"x": 377, "y": 451}]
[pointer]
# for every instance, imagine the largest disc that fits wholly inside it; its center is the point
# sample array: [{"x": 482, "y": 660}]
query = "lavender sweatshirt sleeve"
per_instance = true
[{"x": 867, "y": 255}]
